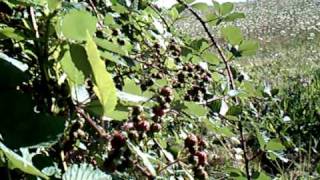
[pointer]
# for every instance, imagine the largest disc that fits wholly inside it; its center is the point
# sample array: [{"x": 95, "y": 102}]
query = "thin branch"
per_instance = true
[
  {"x": 102, "y": 133},
  {"x": 214, "y": 43},
  {"x": 230, "y": 78},
  {"x": 169, "y": 164},
  {"x": 161, "y": 17},
  {"x": 34, "y": 22}
]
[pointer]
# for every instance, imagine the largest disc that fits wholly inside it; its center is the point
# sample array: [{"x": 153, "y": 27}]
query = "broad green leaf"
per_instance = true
[
  {"x": 84, "y": 172},
  {"x": 213, "y": 19},
  {"x": 275, "y": 145},
  {"x": 248, "y": 47},
  {"x": 131, "y": 87},
  {"x": 108, "y": 20},
  {"x": 234, "y": 16},
  {"x": 103, "y": 83},
  {"x": 216, "y": 128},
  {"x": 77, "y": 23},
  {"x": 144, "y": 158},
  {"x": 73, "y": 73},
  {"x": 16, "y": 161},
  {"x": 200, "y": 6},
  {"x": 225, "y": 8},
  {"x": 210, "y": 58},
  {"x": 53, "y": 4},
  {"x": 112, "y": 47},
  {"x": 232, "y": 34},
  {"x": 174, "y": 13},
  {"x": 195, "y": 109}
]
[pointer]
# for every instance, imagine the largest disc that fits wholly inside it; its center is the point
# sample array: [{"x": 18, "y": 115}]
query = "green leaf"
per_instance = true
[
  {"x": 108, "y": 20},
  {"x": 212, "y": 19},
  {"x": 53, "y": 4},
  {"x": 10, "y": 33},
  {"x": 103, "y": 83},
  {"x": 73, "y": 73},
  {"x": 216, "y": 128},
  {"x": 195, "y": 109},
  {"x": 232, "y": 34},
  {"x": 16, "y": 161},
  {"x": 77, "y": 23},
  {"x": 234, "y": 110},
  {"x": 112, "y": 47},
  {"x": 211, "y": 58},
  {"x": 131, "y": 87},
  {"x": 144, "y": 158},
  {"x": 275, "y": 145},
  {"x": 84, "y": 172},
  {"x": 234, "y": 16},
  {"x": 225, "y": 8},
  {"x": 200, "y": 6},
  {"x": 248, "y": 47}
]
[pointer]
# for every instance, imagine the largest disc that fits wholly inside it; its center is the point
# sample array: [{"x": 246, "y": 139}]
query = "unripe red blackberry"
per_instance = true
[
  {"x": 155, "y": 127},
  {"x": 191, "y": 141},
  {"x": 202, "y": 158},
  {"x": 166, "y": 91},
  {"x": 118, "y": 140},
  {"x": 143, "y": 126}
]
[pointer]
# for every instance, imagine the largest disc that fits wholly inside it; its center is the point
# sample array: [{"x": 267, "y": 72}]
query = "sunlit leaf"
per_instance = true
[
  {"x": 195, "y": 109},
  {"x": 77, "y": 23},
  {"x": 232, "y": 34},
  {"x": 131, "y": 87},
  {"x": 225, "y": 8},
  {"x": 275, "y": 145},
  {"x": 216, "y": 128},
  {"x": 112, "y": 47},
  {"x": 248, "y": 47},
  {"x": 103, "y": 83},
  {"x": 200, "y": 6},
  {"x": 211, "y": 58}
]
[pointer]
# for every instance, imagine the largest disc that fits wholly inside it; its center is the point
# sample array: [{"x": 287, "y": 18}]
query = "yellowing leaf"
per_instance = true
[{"x": 103, "y": 84}]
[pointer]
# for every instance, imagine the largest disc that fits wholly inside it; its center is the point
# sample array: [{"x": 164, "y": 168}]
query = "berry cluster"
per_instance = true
[
  {"x": 164, "y": 99},
  {"x": 196, "y": 147},
  {"x": 200, "y": 79}
]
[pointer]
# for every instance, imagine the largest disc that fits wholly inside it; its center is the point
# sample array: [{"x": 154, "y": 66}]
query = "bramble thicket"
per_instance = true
[{"x": 114, "y": 89}]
